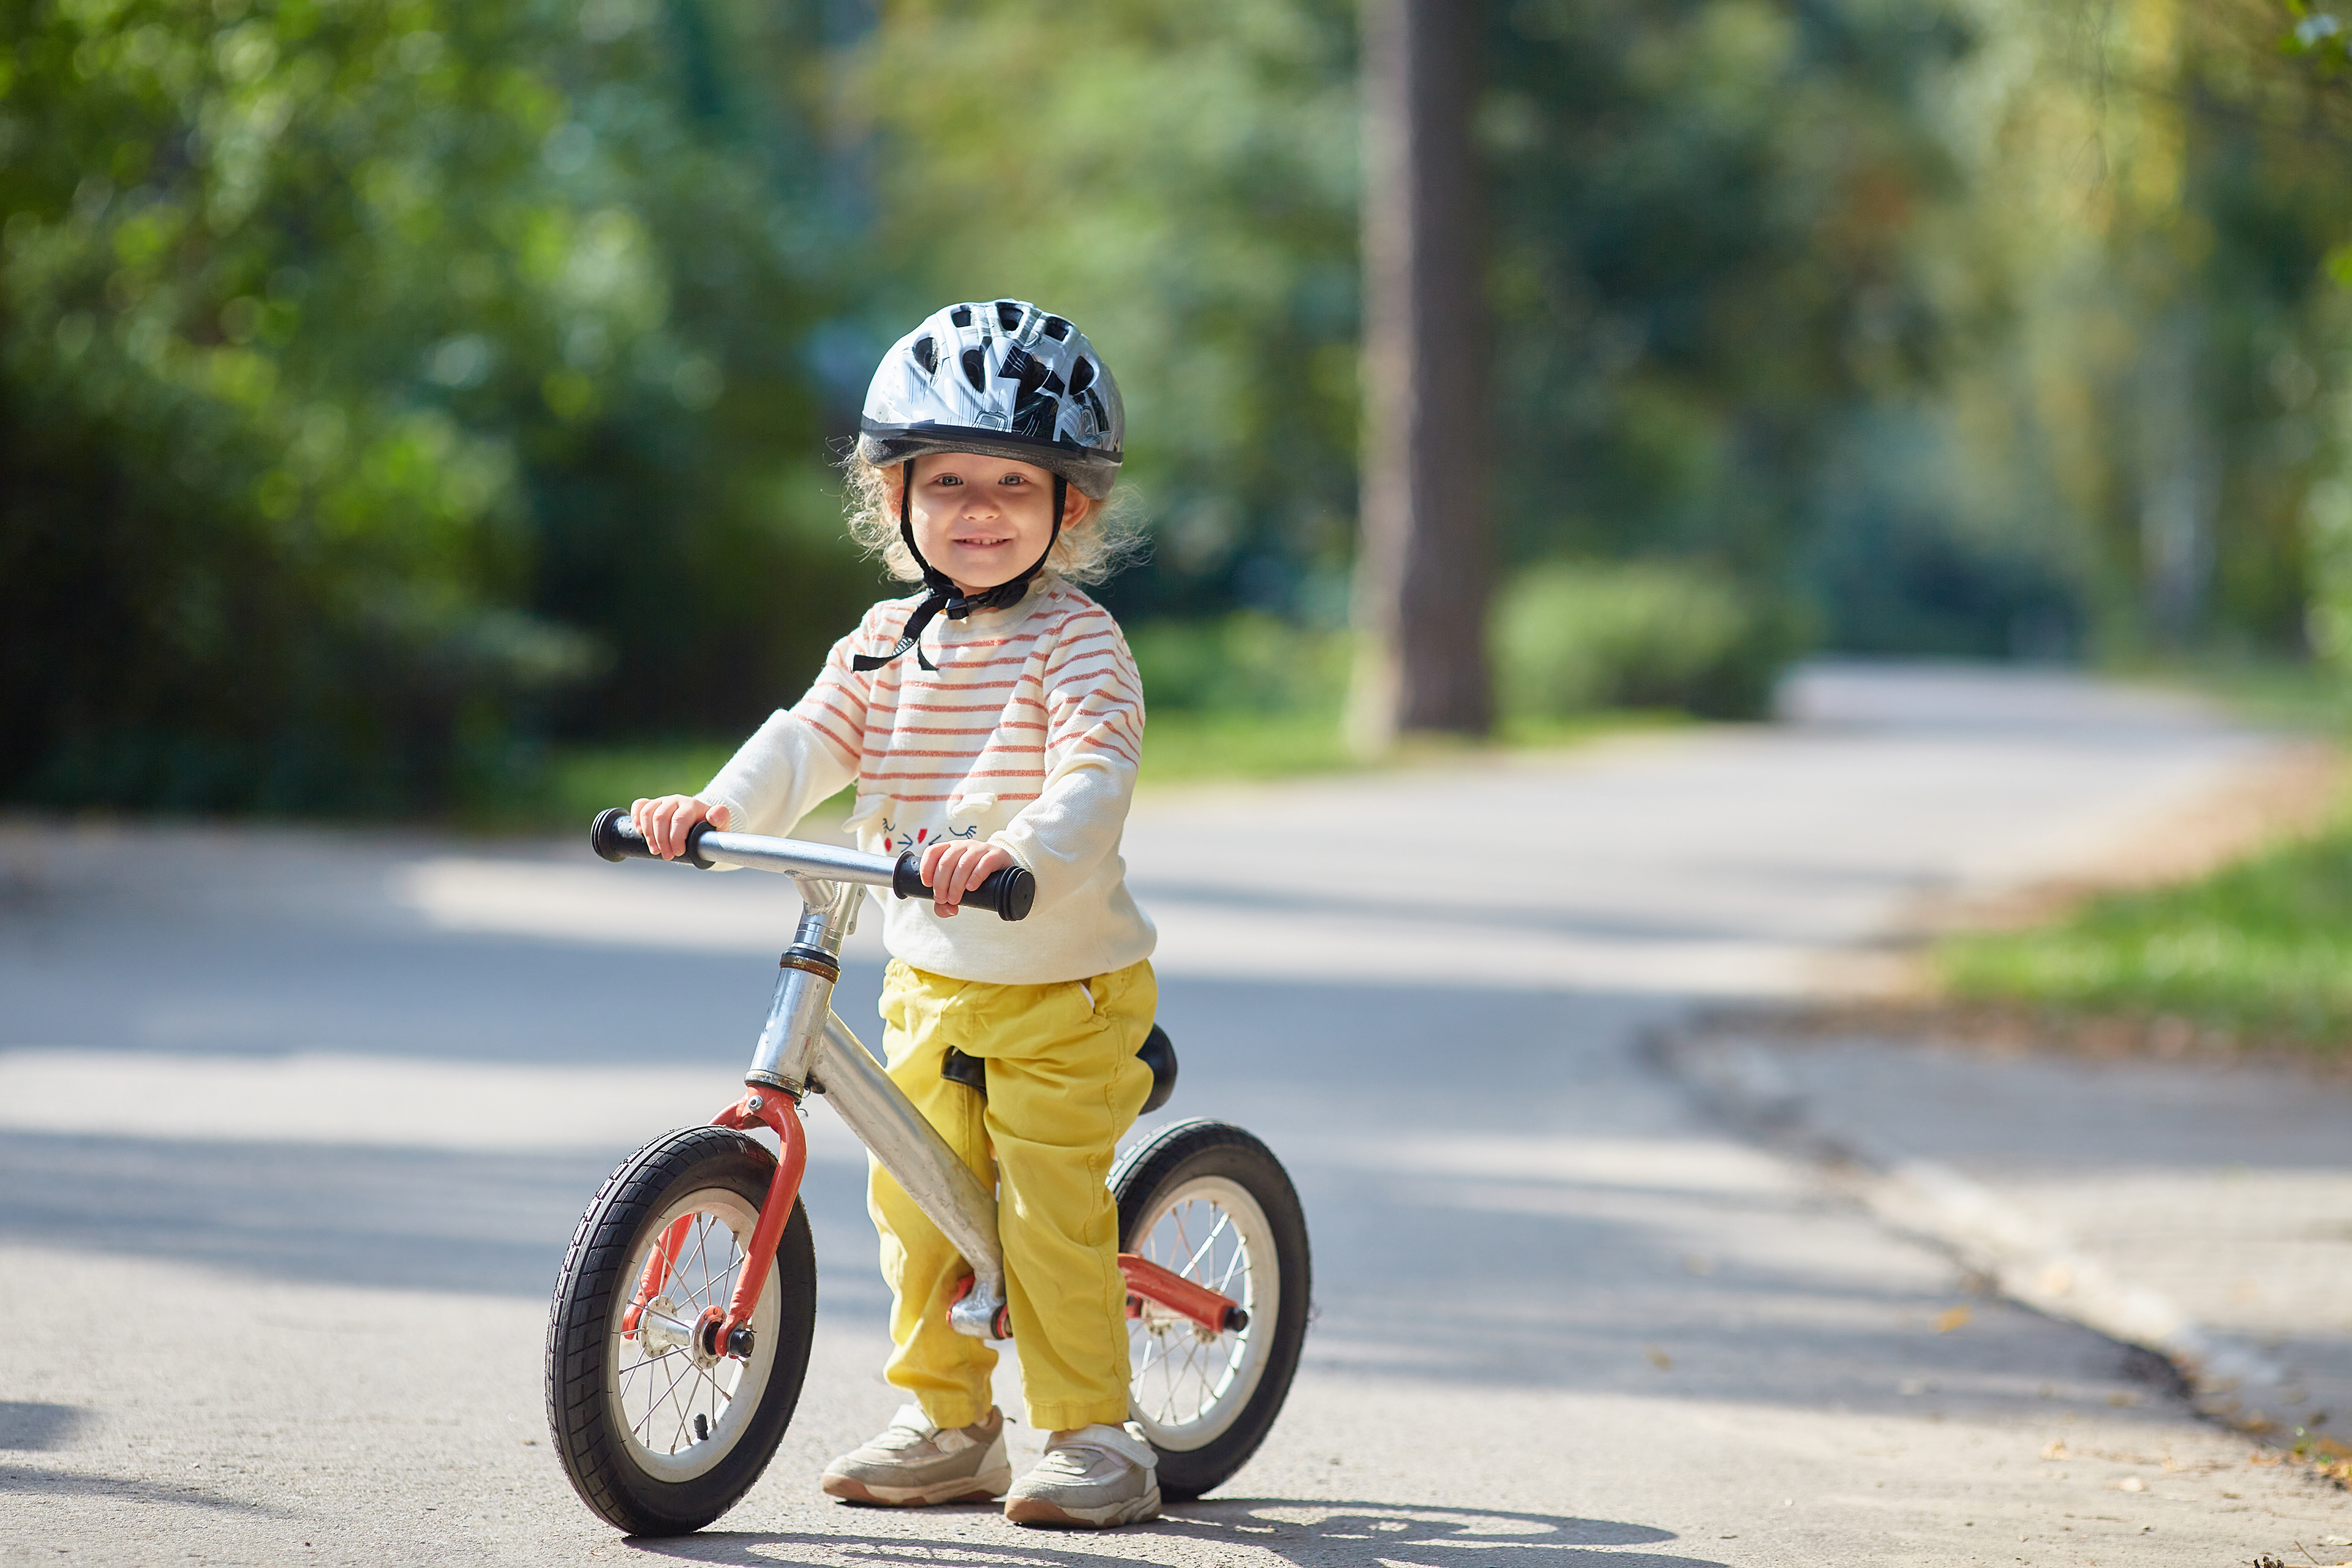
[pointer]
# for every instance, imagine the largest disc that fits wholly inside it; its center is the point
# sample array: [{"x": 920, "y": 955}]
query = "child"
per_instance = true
[{"x": 993, "y": 720}]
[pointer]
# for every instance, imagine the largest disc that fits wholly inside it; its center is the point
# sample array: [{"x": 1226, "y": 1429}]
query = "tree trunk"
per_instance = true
[{"x": 1421, "y": 565}]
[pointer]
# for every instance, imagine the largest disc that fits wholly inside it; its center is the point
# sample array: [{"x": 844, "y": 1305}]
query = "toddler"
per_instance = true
[{"x": 993, "y": 719}]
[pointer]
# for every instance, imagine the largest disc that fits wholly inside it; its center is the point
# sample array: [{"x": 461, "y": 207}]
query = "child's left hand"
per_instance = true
[{"x": 953, "y": 867}]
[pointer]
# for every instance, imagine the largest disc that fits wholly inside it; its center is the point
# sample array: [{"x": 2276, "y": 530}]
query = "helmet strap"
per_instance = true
[{"x": 941, "y": 594}]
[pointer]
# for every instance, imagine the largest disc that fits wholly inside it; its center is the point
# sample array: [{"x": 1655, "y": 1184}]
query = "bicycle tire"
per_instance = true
[
  {"x": 632, "y": 1474},
  {"x": 1218, "y": 1167}
]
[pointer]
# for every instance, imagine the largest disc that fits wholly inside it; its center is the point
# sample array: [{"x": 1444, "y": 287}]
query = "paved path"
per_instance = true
[
  {"x": 1565, "y": 1316},
  {"x": 2202, "y": 1209}
]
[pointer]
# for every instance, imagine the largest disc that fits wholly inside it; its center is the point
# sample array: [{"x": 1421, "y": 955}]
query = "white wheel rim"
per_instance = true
[
  {"x": 656, "y": 1400},
  {"x": 1187, "y": 1391}
]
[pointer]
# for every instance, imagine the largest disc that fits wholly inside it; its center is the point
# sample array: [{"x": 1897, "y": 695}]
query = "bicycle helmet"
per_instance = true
[{"x": 1005, "y": 379}]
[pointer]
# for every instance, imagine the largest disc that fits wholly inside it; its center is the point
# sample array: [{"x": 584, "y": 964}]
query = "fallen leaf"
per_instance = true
[
  {"x": 2120, "y": 1400},
  {"x": 2057, "y": 1450},
  {"x": 1658, "y": 1358},
  {"x": 1951, "y": 1317}
]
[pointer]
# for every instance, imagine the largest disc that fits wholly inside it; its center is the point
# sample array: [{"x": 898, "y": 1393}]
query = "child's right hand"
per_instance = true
[{"x": 667, "y": 822}]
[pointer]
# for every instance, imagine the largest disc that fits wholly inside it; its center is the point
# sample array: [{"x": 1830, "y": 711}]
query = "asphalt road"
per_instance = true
[{"x": 294, "y": 1127}]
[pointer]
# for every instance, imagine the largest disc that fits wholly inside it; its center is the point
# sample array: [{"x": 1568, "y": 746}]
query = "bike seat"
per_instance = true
[{"x": 1158, "y": 1052}]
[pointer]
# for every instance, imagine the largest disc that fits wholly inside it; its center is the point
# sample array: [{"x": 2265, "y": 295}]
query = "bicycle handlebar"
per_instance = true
[{"x": 1009, "y": 892}]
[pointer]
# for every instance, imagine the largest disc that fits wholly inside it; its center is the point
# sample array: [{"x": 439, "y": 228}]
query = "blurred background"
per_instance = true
[{"x": 417, "y": 409}]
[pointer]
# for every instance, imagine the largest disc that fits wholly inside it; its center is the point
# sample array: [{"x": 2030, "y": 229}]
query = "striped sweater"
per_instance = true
[{"x": 1028, "y": 735}]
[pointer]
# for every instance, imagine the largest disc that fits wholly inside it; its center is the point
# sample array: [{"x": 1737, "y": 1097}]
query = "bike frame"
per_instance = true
[{"x": 805, "y": 1048}]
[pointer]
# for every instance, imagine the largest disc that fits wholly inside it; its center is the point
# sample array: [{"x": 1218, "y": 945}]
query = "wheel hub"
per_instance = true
[{"x": 661, "y": 1330}]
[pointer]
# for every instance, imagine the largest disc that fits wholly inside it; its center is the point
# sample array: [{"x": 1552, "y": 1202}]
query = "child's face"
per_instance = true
[{"x": 982, "y": 521}]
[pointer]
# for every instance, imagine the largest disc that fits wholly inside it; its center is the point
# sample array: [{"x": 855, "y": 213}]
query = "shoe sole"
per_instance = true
[
  {"x": 973, "y": 1489},
  {"x": 1038, "y": 1513}
]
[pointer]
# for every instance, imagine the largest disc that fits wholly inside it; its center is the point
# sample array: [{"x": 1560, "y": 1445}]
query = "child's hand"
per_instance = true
[
  {"x": 953, "y": 867},
  {"x": 667, "y": 822}
]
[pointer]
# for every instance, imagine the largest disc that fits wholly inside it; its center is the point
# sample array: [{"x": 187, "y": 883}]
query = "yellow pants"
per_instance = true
[{"x": 1063, "y": 1085}]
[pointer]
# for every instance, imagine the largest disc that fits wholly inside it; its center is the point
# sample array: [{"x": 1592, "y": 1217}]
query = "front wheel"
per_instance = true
[
  {"x": 658, "y": 1436},
  {"x": 1211, "y": 1203}
]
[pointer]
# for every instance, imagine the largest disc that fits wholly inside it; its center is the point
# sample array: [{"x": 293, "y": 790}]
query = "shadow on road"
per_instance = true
[
  {"x": 396, "y": 1218},
  {"x": 27, "y": 1426},
  {"x": 1352, "y": 1534},
  {"x": 67, "y": 1483}
]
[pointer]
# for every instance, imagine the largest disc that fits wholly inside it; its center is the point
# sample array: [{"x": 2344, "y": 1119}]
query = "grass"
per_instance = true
[
  {"x": 578, "y": 782},
  {"x": 582, "y": 781},
  {"x": 1182, "y": 747},
  {"x": 1201, "y": 746},
  {"x": 1197, "y": 747},
  {"x": 2296, "y": 697},
  {"x": 2258, "y": 950}
]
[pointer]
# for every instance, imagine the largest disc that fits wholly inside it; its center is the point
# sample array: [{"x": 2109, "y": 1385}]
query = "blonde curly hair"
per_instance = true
[{"x": 1107, "y": 539}]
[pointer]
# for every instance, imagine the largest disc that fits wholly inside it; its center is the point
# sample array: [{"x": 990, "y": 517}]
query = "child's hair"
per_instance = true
[{"x": 1109, "y": 541}]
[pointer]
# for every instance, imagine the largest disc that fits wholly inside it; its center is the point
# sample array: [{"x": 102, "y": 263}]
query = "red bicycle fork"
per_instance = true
[{"x": 728, "y": 1330}]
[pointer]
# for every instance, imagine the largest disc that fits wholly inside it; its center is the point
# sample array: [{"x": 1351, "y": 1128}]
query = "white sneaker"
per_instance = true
[
  {"x": 915, "y": 1463},
  {"x": 1093, "y": 1477}
]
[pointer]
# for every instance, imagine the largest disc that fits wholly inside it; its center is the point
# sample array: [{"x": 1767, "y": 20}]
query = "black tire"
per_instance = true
[
  {"x": 645, "y": 1474},
  {"x": 1207, "y": 1413}
]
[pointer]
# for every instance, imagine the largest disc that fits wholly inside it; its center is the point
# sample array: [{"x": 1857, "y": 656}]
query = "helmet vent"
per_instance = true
[
  {"x": 1082, "y": 375},
  {"x": 975, "y": 369},
  {"x": 1008, "y": 314},
  {"x": 960, "y": 316},
  {"x": 927, "y": 354},
  {"x": 1056, "y": 328},
  {"x": 1025, "y": 367}
]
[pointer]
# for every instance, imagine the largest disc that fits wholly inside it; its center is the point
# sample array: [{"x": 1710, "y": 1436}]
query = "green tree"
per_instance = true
[{"x": 352, "y": 360}]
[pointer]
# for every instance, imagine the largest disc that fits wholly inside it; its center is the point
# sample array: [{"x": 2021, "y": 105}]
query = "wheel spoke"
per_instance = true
[
  {"x": 734, "y": 1267},
  {"x": 1240, "y": 1265},
  {"x": 701, "y": 1236},
  {"x": 717, "y": 1393},
  {"x": 1222, "y": 1219}
]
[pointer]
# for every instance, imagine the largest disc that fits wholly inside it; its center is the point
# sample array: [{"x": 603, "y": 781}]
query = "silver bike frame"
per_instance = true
[{"x": 805, "y": 1048}]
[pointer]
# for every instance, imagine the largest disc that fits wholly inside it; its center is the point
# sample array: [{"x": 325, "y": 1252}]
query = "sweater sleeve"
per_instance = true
[
  {"x": 1094, "y": 745},
  {"x": 801, "y": 755}
]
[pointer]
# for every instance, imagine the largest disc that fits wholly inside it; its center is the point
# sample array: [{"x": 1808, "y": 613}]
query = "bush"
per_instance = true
[
  {"x": 1245, "y": 663},
  {"x": 1571, "y": 637}
]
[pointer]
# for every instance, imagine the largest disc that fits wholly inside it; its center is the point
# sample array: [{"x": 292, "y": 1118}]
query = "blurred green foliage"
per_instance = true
[
  {"x": 375, "y": 380},
  {"x": 1182, "y": 181},
  {"x": 1576, "y": 638},
  {"x": 395, "y": 400},
  {"x": 1247, "y": 662}
]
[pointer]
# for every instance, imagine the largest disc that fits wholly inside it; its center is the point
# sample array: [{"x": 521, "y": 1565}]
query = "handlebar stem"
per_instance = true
[{"x": 789, "y": 1039}]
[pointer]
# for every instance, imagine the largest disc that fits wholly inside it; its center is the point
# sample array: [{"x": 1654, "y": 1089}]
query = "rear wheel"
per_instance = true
[
  {"x": 1210, "y": 1203},
  {"x": 658, "y": 1435}
]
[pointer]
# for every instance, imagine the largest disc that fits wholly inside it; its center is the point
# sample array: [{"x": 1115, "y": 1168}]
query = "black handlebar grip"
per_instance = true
[
  {"x": 1009, "y": 892},
  {"x": 615, "y": 838}
]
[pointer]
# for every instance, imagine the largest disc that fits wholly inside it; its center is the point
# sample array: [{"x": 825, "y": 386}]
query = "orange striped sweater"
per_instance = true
[{"x": 1027, "y": 734}]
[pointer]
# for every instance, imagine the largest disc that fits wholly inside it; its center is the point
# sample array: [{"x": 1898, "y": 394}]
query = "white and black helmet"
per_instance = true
[
  {"x": 1006, "y": 380},
  {"x": 1002, "y": 378}
]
